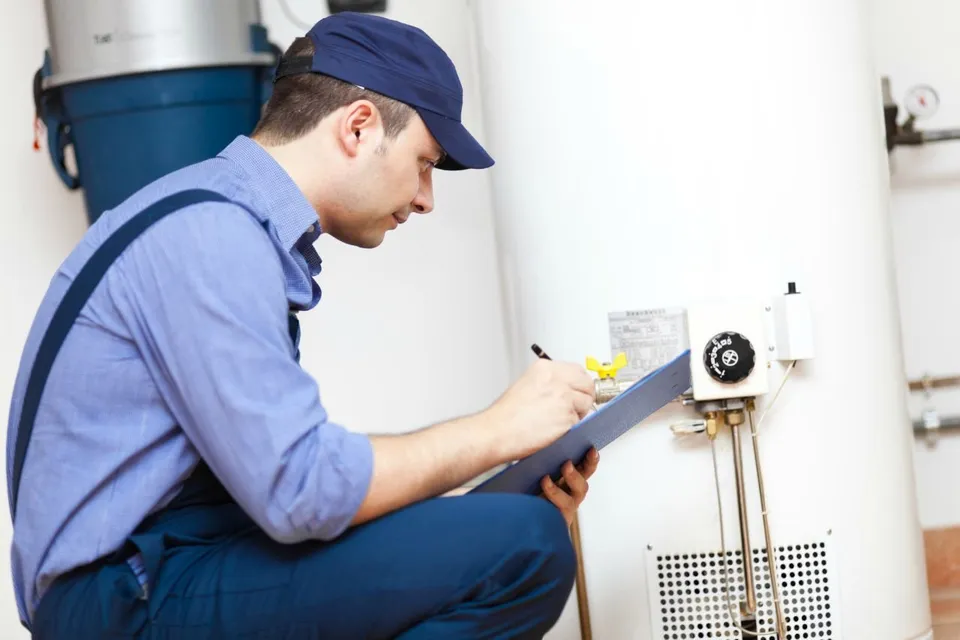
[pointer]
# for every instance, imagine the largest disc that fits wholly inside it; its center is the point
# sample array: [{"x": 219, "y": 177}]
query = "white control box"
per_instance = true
[
  {"x": 792, "y": 327},
  {"x": 728, "y": 349}
]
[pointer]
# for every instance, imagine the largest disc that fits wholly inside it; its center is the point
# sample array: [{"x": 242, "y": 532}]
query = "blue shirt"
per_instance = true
[{"x": 184, "y": 351}]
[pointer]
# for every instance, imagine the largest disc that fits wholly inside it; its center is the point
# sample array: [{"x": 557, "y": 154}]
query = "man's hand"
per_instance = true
[
  {"x": 575, "y": 481},
  {"x": 548, "y": 399}
]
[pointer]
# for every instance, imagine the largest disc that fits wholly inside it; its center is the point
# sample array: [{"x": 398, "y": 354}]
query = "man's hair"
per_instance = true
[{"x": 299, "y": 102}]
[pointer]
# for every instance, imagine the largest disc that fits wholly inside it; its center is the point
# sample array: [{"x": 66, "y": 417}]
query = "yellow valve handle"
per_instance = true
[{"x": 607, "y": 369}]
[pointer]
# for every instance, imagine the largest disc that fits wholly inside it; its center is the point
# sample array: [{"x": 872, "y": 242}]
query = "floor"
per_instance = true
[{"x": 943, "y": 576}]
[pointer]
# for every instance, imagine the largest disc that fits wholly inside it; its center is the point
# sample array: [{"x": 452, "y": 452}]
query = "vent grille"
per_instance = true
[{"x": 687, "y": 593}]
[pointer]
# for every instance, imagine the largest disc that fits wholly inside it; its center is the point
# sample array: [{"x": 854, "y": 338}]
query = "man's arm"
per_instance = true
[
  {"x": 430, "y": 462},
  {"x": 537, "y": 409},
  {"x": 205, "y": 301},
  {"x": 203, "y": 294}
]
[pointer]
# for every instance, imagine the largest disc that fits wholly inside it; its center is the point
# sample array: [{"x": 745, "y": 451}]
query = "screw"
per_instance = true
[
  {"x": 649, "y": 547},
  {"x": 768, "y": 308},
  {"x": 771, "y": 348}
]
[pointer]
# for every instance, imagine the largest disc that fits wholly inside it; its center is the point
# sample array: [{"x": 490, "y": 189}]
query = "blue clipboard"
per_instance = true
[{"x": 634, "y": 405}]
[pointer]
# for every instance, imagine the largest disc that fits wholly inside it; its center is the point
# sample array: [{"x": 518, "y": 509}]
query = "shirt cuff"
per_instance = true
[{"x": 344, "y": 479}]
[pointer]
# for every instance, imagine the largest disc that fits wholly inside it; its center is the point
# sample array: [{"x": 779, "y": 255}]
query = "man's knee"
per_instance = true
[
  {"x": 540, "y": 541},
  {"x": 556, "y": 538}
]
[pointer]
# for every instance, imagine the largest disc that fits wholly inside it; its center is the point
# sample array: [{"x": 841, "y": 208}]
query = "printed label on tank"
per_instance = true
[
  {"x": 126, "y": 35},
  {"x": 650, "y": 338}
]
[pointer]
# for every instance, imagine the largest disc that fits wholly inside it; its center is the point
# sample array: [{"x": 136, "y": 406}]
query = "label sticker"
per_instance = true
[{"x": 650, "y": 338}]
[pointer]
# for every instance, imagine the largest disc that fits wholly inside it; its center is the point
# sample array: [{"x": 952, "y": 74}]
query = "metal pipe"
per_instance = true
[
  {"x": 928, "y": 382},
  {"x": 583, "y": 607},
  {"x": 771, "y": 550},
  {"x": 916, "y": 138},
  {"x": 751, "y": 605},
  {"x": 950, "y": 423},
  {"x": 937, "y": 135}
]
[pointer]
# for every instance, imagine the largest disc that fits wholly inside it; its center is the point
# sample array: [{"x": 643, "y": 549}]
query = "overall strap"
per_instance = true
[{"x": 73, "y": 302}]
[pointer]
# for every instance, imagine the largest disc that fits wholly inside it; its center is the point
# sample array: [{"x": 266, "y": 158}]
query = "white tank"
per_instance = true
[
  {"x": 656, "y": 154},
  {"x": 92, "y": 39}
]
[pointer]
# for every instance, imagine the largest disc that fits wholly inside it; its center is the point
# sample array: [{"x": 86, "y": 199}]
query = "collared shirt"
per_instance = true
[{"x": 184, "y": 351}]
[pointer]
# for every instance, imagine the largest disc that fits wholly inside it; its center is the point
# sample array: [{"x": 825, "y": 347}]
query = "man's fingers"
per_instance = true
[
  {"x": 576, "y": 482},
  {"x": 571, "y": 489},
  {"x": 583, "y": 403},
  {"x": 578, "y": 378},
  {"x": 590, "y": 463},
  {"x": 560, "y": 498}
]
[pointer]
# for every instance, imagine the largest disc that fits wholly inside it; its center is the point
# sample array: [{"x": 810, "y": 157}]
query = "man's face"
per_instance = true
[{"x": 388, "y": 180}]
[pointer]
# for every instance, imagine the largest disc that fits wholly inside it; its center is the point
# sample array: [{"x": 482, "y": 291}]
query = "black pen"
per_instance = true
[
  {"x": 543, "y": 354},
  {"x": 540, "y": 352}
]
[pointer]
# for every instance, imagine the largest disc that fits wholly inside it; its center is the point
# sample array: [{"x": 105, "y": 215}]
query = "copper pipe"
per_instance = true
[
  {"x": 771, "y": 550},
  {"x": 929, "y": 382},
  {"x": 751, "y": 604},
  {"x": 583, "y": 606}
]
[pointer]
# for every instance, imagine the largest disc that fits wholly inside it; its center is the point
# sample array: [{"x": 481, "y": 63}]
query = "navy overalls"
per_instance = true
[{"x": 471, "y": 567}]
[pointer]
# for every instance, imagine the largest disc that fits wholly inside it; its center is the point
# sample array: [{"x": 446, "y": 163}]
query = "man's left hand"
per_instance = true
[{"x": 574, "y": 480}]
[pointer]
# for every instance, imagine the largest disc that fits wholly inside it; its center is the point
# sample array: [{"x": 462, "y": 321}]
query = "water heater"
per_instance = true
[
  {"x": 665, "y": 171},
  {"x": 139, "y": 88}
]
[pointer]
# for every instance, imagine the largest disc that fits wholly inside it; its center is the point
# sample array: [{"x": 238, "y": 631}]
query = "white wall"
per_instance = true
[
  {"x": 915, "y": 43},
  {"x": 406, "y": 335},
  {"x": 411, "y": 332}
]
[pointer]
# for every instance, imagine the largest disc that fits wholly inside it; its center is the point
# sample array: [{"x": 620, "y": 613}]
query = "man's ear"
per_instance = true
[{"x": 360, "y": 125}]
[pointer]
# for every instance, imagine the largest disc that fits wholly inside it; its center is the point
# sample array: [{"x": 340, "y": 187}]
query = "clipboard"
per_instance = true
[{"x": 631, "y": 407}]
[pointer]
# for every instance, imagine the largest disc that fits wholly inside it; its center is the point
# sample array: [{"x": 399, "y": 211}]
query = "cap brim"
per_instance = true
[{"x": 461, "y": 148}]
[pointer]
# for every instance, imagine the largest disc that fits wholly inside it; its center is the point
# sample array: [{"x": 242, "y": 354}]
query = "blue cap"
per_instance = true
[{"x": 401, "y": 62}]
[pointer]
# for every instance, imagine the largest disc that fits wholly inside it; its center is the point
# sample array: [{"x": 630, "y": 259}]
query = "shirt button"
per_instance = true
[{"x": 311, "y": 228}]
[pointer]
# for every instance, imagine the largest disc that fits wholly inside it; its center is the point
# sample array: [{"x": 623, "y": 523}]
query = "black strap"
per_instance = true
[
  {"x": 73, "y": 302},
  {"x": 293, "y": 66}
]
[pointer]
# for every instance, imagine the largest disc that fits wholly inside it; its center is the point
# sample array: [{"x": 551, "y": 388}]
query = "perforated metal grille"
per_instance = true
[{"x": 690, "y": 603}]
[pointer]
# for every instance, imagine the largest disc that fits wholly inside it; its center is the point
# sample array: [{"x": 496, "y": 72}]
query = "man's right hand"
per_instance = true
[{"x": 548, "y": 399}]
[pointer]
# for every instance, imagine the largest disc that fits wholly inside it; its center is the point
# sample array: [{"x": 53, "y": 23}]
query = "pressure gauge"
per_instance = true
[{"x": 921, "y": 101}]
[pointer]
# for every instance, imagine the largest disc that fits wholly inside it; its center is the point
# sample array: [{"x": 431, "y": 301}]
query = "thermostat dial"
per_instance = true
[{"x": 729, "y": 357}]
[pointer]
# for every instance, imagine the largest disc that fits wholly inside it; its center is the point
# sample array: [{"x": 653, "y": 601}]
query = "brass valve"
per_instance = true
[{"x": 607, "y": 388}]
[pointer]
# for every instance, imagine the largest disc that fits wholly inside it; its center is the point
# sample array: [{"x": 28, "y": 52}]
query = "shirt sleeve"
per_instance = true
[{"x": 204, "y": 296}]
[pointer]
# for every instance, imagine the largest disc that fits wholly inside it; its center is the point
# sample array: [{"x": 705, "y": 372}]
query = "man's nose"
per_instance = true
[{"x": 423, "y": 203}]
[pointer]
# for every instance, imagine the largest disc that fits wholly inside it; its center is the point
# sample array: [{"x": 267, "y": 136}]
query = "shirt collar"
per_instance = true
[{"x": 287, "y": 209}]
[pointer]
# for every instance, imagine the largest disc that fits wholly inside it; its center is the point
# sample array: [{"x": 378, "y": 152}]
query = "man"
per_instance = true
[{"x": 182, "y": 478}]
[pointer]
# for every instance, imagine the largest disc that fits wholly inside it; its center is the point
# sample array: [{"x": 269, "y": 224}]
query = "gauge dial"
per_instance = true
[{"x": 922, "y": 101}]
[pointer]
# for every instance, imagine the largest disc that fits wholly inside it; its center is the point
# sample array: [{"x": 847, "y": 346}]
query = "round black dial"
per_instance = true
[{"x": 729, "y": 357}]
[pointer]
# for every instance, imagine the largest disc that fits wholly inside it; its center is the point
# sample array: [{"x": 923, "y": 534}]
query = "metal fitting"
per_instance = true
[
  {"x": 713, "y": 423},
  {"x": 606, "y": 389},
  {"x": 735, "y": 418}
]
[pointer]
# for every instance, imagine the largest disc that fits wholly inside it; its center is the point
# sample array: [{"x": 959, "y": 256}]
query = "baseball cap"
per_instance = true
[{"x": 401, "y": 62}]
